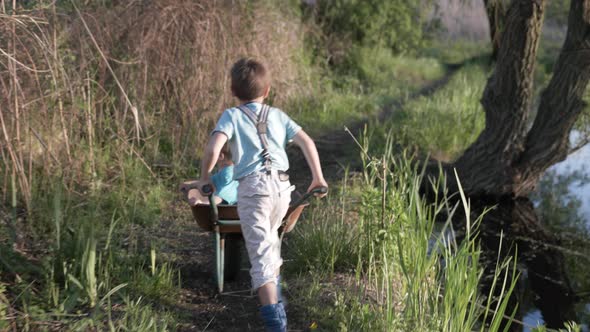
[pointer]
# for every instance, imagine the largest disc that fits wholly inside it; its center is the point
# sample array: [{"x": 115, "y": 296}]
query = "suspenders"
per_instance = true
[{"x": 260, "y": 122}]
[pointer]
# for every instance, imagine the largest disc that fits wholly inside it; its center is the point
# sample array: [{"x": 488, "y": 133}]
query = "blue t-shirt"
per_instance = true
[
  {"x": 245, "y": 142},
  {"x": 225, "y": 186}
]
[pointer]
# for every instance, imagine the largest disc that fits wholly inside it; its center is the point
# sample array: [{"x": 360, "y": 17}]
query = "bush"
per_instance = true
[{"x": 395, "y": 24}]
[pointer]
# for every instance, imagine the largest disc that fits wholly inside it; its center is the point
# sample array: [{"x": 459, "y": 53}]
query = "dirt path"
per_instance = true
[
  {"x": 199, "y": 306},
  {"x": 191, "y": 250},
  {"x": 337, "y": 148}
]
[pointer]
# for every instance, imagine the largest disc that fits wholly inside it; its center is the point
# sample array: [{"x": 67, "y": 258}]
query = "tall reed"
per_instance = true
[{"x": 408, "y": 270}]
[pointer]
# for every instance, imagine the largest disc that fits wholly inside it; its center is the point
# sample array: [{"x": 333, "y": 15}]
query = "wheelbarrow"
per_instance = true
[{"x": 224, "y": 222}]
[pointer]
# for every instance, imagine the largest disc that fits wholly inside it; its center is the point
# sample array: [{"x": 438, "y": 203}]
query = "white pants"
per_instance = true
[{"x": 263, "y": 201}]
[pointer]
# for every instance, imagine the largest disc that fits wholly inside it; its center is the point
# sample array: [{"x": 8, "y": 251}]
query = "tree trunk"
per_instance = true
[
  {"x": 507, "y": 158},
  {"x": 496, "y": 16},
  {"x": 506, "y": 161},
  {"x": 486, "y": 166},
  {"x": 561, "y": 103}
]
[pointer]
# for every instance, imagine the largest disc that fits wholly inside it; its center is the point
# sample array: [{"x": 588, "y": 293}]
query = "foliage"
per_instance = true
[
  {"x": 382, "y": 72},
  {"x": 94, "y": 258},
  {"x": 107, "y": 104},
  {"x": 392, "y": 24}
]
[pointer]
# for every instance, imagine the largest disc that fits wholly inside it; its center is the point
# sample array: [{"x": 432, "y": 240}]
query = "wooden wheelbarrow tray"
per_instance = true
[{"x": 224, "y": 222}]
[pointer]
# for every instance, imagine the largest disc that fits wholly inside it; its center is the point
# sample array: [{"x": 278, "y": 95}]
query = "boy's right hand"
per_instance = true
[
  {"x": 206, "y": 187},
  {"x": 315, "y": 183}
]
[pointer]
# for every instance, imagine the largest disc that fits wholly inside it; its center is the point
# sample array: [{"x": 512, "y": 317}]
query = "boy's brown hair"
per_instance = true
[{"x": 249, "y": 79}]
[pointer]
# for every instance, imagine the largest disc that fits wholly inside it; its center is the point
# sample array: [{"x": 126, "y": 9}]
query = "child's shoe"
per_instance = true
[{"x": 274, "y": 317}]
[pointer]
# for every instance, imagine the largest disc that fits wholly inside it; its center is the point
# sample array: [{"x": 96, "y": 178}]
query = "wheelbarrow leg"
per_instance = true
[{"x": 219, "y": 257}]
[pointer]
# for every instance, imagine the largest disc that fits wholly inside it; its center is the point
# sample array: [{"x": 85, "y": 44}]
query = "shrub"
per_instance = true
[{"x": 395, "y": 24}]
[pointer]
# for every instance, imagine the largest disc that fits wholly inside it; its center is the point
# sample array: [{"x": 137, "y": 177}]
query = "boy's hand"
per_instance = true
[
  {"x": 207, "y": 188},
  {"x": 318, "y": 183},
  {"x": 313, "y": 160},
  {"x": 205, "y": 183}
]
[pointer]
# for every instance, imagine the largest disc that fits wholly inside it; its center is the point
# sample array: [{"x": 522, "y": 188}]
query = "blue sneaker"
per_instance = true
[{"x": 274, "y": 317}]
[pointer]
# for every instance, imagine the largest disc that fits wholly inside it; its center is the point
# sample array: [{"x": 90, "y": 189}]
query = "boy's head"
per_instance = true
[{"x": 250, "y": 79}]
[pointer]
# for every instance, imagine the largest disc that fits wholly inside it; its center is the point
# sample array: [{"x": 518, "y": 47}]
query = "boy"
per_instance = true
[
  {"x": 226, "y": 188},
  {"x": 258, "y": 135}
]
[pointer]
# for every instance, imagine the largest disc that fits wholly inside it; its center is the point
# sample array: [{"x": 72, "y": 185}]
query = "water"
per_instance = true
[
  {"x": 563, "y": 203},
  {"x": 578, "y": 162},
  {"x": 555, "y": 279}
]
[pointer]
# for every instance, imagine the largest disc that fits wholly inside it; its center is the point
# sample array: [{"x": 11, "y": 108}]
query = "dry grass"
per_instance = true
[{"x": 132, "y": 77}]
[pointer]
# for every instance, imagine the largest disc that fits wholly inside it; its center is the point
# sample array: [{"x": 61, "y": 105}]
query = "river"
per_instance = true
[{"x": 562, "y": 202}]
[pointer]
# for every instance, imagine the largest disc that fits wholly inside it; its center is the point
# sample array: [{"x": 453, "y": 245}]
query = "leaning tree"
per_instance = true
[
  {"x": 515, "y": 147},
  {"x": 519, "y": 142}
]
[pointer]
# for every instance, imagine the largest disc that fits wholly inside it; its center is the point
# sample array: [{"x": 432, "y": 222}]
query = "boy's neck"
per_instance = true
[{"x": 256, "y": 100}]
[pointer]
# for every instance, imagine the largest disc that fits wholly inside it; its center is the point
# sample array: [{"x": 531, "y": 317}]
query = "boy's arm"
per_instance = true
[
  {"x": 210, "y": 155},
  {"x": 310, "y": 152}
]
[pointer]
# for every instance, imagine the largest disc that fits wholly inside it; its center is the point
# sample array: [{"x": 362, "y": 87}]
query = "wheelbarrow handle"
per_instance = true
[
  {"x": 207, "y": 190},
  {"x": 307, "y": 195}
]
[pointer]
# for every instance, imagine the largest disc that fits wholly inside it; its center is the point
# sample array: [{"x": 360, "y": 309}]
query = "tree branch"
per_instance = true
[
  {"x": 561, "y": 102},
  {"x": 496, "y": 17}
]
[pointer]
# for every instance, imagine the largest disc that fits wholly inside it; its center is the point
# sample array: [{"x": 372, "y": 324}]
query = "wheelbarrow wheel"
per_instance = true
[{"x": 233, "y": 256}]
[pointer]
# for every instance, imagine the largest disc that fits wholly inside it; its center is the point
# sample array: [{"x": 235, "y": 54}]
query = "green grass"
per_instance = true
[
  {"x": 447, "y": 122},
  {"x": 442, "y": 124},
  {"x": 386, "y": 74},
  {"x": 370, "y": 80},
  {"x": 370, "y": 259},
  {"x": 94, "y": 255},
  {"x": 459, "y": 51},
  {"x": 569, "y": 327}
]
